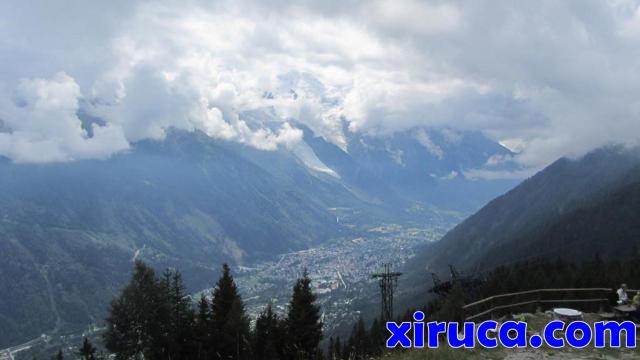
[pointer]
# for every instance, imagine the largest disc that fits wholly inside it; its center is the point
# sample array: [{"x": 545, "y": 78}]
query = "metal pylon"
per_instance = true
[{"x": 388, "y": 281}]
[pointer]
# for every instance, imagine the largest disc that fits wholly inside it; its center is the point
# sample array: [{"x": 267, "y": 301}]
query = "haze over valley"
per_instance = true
[{"x": 326, "y": 136}]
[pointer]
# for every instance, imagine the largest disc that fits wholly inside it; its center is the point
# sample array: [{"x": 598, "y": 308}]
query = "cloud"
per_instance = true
[
  {"x": 549, "y": 78},
  {"x": 42, "y": 124},
  {"x": 477, "y": 174},
  {"x": 420, "y": 18},
  {"x": 424, "y": 140}
]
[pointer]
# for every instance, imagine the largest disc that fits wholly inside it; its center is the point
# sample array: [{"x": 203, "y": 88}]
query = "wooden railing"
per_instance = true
[{"x": 499, "y": 303}]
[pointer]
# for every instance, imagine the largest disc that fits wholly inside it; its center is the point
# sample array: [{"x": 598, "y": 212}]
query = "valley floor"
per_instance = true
[{"x": 340, "y": 269}]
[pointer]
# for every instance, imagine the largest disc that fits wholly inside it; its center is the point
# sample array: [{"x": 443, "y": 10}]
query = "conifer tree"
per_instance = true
[
  {"x": 59, "y": 355},
  {"x": 181, "y": 317},
  {"x": 137, "y": 320},
  {"x": 338, "y": 349},
  {"x": 202, "y": 326},
  {"x": 330, "y": 349},
  {"x": 303, "y": 320},
  {"x": 345, "y": 351},
  {"x": 376, "y": 338},
  {"x": 230, "y": 326},
  {"x": 266, "y": 335},
  {"x": 280, "y": 338},
  {"x": 451, "y": 309},
  {"x": 359, "y": 341},
  {"x": 87, "y": 351}
]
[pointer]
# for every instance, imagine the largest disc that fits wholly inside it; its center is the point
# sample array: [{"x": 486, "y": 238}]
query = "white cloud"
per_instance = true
[
  {"x": 498, "y": 159},
  {"x": 450, "y": 136},
  {"x": 419, "y": 17},
  {"x": 424, "y": 140},
  {"x": 553, "y": 78},
  {"x": 477, "y": 174},
  {"x": 44, "y": 126}
]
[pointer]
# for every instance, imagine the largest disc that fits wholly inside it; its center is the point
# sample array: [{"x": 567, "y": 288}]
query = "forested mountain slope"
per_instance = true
[
  {"x": 574, "y": 209},
  {"x": 70, "y": 231}
]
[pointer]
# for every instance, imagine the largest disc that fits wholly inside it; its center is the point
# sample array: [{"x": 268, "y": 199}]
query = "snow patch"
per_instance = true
[{"x": 308, "y": 157}]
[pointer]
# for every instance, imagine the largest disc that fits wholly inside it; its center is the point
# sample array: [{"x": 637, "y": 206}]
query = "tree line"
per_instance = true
[
  {"x": 525, "y": 275},
  {"x": 543, "y": 273},
  {"x": 154, "y": 318}
]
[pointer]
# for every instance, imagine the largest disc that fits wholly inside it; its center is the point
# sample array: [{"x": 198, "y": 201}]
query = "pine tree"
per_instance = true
[
  {"x": 181, "y": 317},
  {"x": 345, "y": 352},
  {"x": 349, "y": 351},
  {"x": 59, "y": 355},
  {"x": 87, "y": 351},
  {"x": 303, "y": 320},
  {"x": 280, "y": 338},
  {"x": 359, "y": 341},
  {"x": 137, "y": 320},
  {"x": 338, "y": 349},
  {"x": 230, "y": 326},
  {"x": 451, "y": 309},
  {"x": 330, "y": 349},
  {"x": 376, "y": 336},
  {"x": 202, "y": 326},
  {"x": 266, "y": 336}
]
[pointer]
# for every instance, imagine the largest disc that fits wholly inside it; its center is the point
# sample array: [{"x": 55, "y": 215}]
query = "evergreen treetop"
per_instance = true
[
  {"x": 87, "y": 350},
  {"x": 303, "y": 319},
  {"x": 230, "y": 325}
]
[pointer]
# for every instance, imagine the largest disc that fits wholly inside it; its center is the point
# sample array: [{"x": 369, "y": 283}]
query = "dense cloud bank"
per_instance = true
[{"x": 88, "y": 79}]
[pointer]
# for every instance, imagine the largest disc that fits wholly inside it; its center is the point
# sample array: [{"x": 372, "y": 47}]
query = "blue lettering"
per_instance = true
[
  {"x": 549, "y": 334},
  {"x": 435, "y": 328},
  {"x": 615, "y": 333},
  {"x": 582, "y": 327},
  {"x": 418, "y": 329},
  {"x": 398, "y": 334},
  {"x": 483, "y": 334},
  {"x": 520, "y": 329},
  {"x": 468, "y": 338}
]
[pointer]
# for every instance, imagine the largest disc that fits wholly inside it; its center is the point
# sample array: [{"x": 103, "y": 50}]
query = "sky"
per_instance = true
[{"x": 87, "y": 79}]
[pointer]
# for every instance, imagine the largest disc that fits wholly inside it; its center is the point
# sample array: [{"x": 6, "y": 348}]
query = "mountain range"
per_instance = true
[
  {"x": 69, "y": 232},
  {"x": 574, "y": 209}
]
